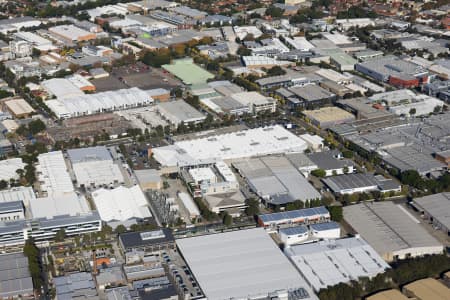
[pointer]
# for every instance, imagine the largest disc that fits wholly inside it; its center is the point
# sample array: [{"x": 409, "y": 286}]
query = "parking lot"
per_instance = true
[
  {"x": 184, "y": 280},
  {"x": 136, "y": 75}
]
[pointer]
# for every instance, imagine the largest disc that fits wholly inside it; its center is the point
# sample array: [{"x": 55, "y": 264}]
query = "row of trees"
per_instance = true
[{"x": 34, "y": 263}]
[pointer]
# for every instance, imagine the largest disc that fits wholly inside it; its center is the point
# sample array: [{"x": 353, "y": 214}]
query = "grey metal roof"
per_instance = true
[
  {"x": 240, "y": 264},
  {"x": 227, "y": 103},
  {"x": 311, "y": 92},
  {"x": 387, "y": 227},
  {"x": 326, "y": 161},
  {"x": 437, "y": 206},
  {"x": 89, "y": 154},
  {"x": 276, "y": 177},
  {"x": 350, "y": 181}
]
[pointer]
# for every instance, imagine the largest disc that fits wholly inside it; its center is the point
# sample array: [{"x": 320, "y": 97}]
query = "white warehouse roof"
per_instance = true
[
  {"x": 52, "y": 173},
  {"x": 240, "y": 264},
  {"x": 61, "y": 88},
  {"x": 8, "y": 168},
  {"x": 241, "y": 144},
  {"x": 121, "y": 204},
  {"x": 94, "y": 166},
  {"x": 95, "y": 103},
  {"x": 64, "y": 204},
  {"x": 330, "y": 262}
]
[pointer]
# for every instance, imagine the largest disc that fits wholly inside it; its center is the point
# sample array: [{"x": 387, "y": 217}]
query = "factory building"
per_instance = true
[
  {"x": 243, "y": 264},
  {"x": 395, "y": 71},
  {"x": 276, "y": 180},
  {"x": 435, "y": 208},
  {"x": 228, "y": 147},
  {"x": 330, "y": 262},
  {"x": 94, "y": 167},
  {"x": 391, "y": 230}
]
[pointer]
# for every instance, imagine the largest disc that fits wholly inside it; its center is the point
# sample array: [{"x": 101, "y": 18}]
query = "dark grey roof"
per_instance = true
[
  {"x": 350, "y": 181},
  {"x": 134, "y": 239},
  {"x": 326, "y": 161},
  {"x": 163, "y": 293}
]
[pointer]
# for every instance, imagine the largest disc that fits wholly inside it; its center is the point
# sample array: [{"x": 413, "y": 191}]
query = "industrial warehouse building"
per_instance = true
[
  {"x": 391, "y": 230},
  {"x": 360, "y": 183},
  {"x": 229, "y": 146},
  {"x": 328, "y": 116},
  {"x": 294, "y": 217},
  {"x": 122, "y": 206},
  {"x": 19, "y": 108},
  {"x": 15, "y": 276},
  {"x": 330, "y": 262},
  {"x": 89, "y": 104},
  {"x": 94, "y": 166},
  {"x": 435, "y": 208},
  {"x": 52, "y": 173},
  {"x": 276, "y": 180},
  {"x": 8, "y": 168},
  {"x": 244, "y": 264},
  {"x": 427, "y": 289},
  {"x": 394, "y": 70},
  {"x": 179, "y": 112}
]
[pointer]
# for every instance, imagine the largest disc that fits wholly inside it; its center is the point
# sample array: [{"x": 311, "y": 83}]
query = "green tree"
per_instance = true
[
  {"x": 227, "y": 220},
  {"x": 33, "y": 254},
  {"x": 336, "y": 213},
  {"x": 276, "y": 71},
  {"x": 319, "y": 173},
  {"x": 274, "y": 12},
  {"x": 120, "y": 229},
  {"x": 347, "y": 154},
  {"x": 252, "y": 207},
  {"x": 412, "y": 111},
  {"x": 60, "y": 235}
]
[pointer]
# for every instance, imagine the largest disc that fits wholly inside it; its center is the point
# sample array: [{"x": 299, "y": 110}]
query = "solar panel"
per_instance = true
[{"x": 151, "y": 235}]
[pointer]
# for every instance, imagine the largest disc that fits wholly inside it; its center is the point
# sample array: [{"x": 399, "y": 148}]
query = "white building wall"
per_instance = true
[
  {"x": 293, "y": 239},
  {"x": 326, "y": 234}
]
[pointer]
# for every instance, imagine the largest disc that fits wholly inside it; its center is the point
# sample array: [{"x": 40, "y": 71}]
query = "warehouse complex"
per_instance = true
[
  {"x": 392, "y": 231},
  {"x": 241, "y": 264},
  {"x": 394, "y": 70},
  {"x": 88, "y": 104},
  {"x": 360, "y": 183},
  {"x": 94, "y": 167},
  {"x": 435, "y": 208},
  {"x": 276, "y": 180},
  {"x": 408, "y": 146},
  {"x": 330, "y": 262},
  {"x": 242, "y": 144}
]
